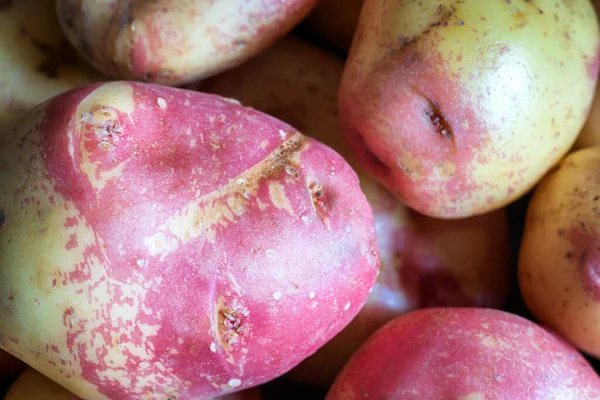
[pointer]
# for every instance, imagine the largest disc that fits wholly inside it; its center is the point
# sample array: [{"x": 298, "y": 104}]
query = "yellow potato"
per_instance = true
[
  {"x": 460, "y": 107},
  {"x": 175, "y": 41},
  {"x": 335, "y": 22},
  {"x": 559, "y": 263},
  {"x": 36, "y": 60}
]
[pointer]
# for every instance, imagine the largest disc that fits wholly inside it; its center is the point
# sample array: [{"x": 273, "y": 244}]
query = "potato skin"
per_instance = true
[
  {"x": 424, "y": 262},
  {"x": 558, "y": 261},
  {"x": 36, "y": 60},
  {"x": 466, "y": 354},
  {"x": 177, "y": 244},
  {"x": 31, "y": 385},
  {"x": 173, "y": 42},
  {"x": 460, "y": 107}
]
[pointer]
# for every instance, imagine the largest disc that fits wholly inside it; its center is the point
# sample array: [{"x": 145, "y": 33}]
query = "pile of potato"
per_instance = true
[{"x": 299, "y": 199}]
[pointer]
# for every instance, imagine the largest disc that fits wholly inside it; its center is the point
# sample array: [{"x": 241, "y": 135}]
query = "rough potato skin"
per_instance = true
[
  {"x": 173, "y": 42},
  {"x": 31, "y": 385},
  {"x": 424, "y": 262},
  {"x": 465, "y": 354},
  {"x": 460, "y": 106},
  {"x": 160, "y": 242},
  {"x": 560, "y": 249},
  {"x": 36, "y": 60}
]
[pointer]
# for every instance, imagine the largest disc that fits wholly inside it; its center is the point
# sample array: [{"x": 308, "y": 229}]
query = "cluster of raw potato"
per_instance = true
[{"x": 195, "y": 242}]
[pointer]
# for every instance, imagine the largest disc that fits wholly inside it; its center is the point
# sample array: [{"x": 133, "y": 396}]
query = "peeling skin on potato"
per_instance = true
[
  {"x": 171, "y": 252},
  {"x": 447, "y": 108},
  {"x": 175, "y": 42},
  {"x": 465, "y": 353}
]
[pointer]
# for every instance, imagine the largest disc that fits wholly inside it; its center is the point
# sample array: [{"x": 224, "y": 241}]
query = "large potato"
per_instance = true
[
  {"x": 158, "y": 241},
  {"x": 31, "y": 385},
  {"x": 334, "y": 21},
  {"x": 175, "y": 41},
  {"x": 424, "y": 262},
  {"x": 465, "y": 354},
  {"x": 36, "y": 60},
  {"x": 558, "y": 261},
  {"x": 460, "y": 107}
]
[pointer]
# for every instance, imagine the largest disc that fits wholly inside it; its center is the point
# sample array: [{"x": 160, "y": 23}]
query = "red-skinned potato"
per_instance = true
[
  {"x": 460, "y": 107},
  {"x": 175, "y": 41},
  {"x": 9, "y": 365},
  {"x": 424, "y": 262},
  {"x": 560, "y": 249},
  {"x": 36, "y": 60},
  {"x": 465, "y": 354},
  {"x": 177, "y": 243},
  {"x": 334, "y": 21},
  {"x": 31, "y": 385}
]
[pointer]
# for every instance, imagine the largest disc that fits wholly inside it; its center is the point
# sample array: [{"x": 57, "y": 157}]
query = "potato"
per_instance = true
[
  {"x": 158, "y": 241},
  {"x": 460, "y": 107},
  {"x": 36, "y": 60},
  {"x": 9, "y": 365},
  {"x": 558, "y": 268},
  {"x": 31, "y": 385},
  {"x": 175, "y": 41},
  {"x": 465, "y": 354},
  {"x": 334, "y": 21},
  {"x": 424, "y": 262}
]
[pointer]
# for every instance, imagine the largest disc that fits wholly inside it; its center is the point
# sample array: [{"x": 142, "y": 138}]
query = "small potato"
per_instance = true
[
  {"x": 424, "y": 262},
  {"x": 175, "y": 41},
  {"x": 36, "y": 60},
  {"x": 160, "y": 241},
  {"x": 559, "y": 265},
  {"x": 335, "y": 22},
  {"x": 465, "y": 354},
  {"x": 31, "y": 385}
]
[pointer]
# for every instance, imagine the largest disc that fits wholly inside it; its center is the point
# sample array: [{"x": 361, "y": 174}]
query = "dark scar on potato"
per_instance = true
[
  {"x": 439, "y": 121},
  {"x": 2, "y": 218}
]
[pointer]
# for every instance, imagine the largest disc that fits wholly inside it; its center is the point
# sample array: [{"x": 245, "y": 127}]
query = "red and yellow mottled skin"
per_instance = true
[
  {"x": 160, "y": 242},
  {"x": 460, "y": 106},
  {"x": 31, "y": 385},
  {"x": 465, "y": 354},
  {"x": 175, "y": 41},
  {"x": 425, "y": 262}
]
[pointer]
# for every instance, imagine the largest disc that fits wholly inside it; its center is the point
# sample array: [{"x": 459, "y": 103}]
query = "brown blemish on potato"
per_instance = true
[
  {"x": 2, "y": 218},
  {"x": 438, "y": 120}
]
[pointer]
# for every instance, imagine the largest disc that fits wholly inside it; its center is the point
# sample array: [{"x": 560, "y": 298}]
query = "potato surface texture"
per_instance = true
[
  {"x": 36, "y": 59},
  {"x": 160, "y": 242},
  {"x": 460, "y": 106},
  {"x": 175, "y": 41},
  {"x": 425, "y": 262},
  {"x": 465, "y": 354},
  {"x": 558, "y": 262}
]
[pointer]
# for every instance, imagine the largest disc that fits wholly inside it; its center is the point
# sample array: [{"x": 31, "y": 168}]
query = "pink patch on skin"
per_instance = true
[
  {"x": 585, "y": 253},
  {"x": 72, "y": 243},
  {"x": 593, "y": 66},
  {"x": 165, "y": 175}
]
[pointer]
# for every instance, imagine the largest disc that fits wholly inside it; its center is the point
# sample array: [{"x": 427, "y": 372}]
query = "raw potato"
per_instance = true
[
  {"x": 177, "y": 244},
  {"x": 334, "y": 21},
  {"x": 465, "y": 354},
  {"x": 36, "y": 60},
  {"x": 460, "y": 107},
  {"x": 31, "y": 385},
  {"x": 424, "y": 262},
  {"x": 558, "y": 262},
  {"x": 173, "y": 42}
]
